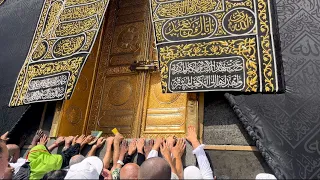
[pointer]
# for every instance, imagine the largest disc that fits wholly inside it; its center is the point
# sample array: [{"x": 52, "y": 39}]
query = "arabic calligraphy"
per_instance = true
[
  {"x": 67, "y": 46},
  {"x": 187, "y": 7},
  {"x": 51, "y": 87},
  {"x": 204, "y": 74},
  {"x": 199, "y": 26},
  {"x": 306, "y": 47},
  {"x": 207, "y": 66},
  {"x": 239, "y": 21},
  {"x": 206, "y": 82},
  {"x": 62, "y": 42},
  {"x": 202, "y": 29},
  {"x": 75, "y": 27}
]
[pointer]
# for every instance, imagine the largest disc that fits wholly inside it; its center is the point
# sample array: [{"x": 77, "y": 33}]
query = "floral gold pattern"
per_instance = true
[
  {"x": 218, "y": 30},
  {"x": 63, "y": 39}
]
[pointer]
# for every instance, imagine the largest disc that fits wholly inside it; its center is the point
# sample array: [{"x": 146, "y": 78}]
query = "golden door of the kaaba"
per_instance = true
[{"x": 109, "y": 94}]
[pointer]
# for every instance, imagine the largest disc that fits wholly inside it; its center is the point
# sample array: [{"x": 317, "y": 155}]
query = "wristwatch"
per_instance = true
[{"x": 120, "y": 162}]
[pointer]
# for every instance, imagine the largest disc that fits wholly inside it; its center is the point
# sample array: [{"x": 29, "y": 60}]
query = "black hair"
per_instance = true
[{"x": 58, "y": 174}]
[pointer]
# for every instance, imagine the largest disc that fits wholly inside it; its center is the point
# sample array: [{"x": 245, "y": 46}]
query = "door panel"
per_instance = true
[
  {"x": 119, "y": 104},
  {"x": 130, "y": 101},
  {"x": 118, "y": 91},
  {"x": 164, "y": 113}
]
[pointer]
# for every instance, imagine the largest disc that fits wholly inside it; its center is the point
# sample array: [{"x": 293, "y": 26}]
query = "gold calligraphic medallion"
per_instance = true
[
  {"x": 63, "y": 39},
  {"x": 218, "y": 32}
]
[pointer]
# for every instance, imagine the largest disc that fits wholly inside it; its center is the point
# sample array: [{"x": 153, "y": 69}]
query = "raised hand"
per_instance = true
[
  {"x": 59, "y": 140},
  {"x": 165, "y": 151},
  {"x": 123, "y": 148},
  {"x": 148, "y": 147},
  {"x": 37, "y": 137},
  {"x": 191, "y": 134},
  {"x": 132, "y": 147},
  {"x": 100, "y": 142},
  {"x": 171, "y": 141},
  {"x": 157, "y": 144},
  {"x": 110, "y": 141},
  {"x": 78, "y": 140},
  {"x": 140, "y": 145},
  {"x": 192, "y": 137},
  {"x": 68, "y": 140},
  {"x": 178, "y": 150},
  {"x": 87, "y": 140},
  {"x": 4, "y": 137},
  {"x": 43, "y": 140},
  {"x": 118, "y": 138}
]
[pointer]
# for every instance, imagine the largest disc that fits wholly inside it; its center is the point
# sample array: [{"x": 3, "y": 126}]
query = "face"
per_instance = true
[
  {"x": 8, "y": 173},
  {"x": 3, "y": 159}
]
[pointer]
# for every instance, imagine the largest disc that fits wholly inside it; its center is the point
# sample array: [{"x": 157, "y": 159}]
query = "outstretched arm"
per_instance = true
[
  {"x": 123, "y": 151},
  {"x": 177, "y": 152},
  {"x": 116, "y": 149},
  {"x": 108, "y": 154},
  {"x": 167, "y": 156},
  {"x": 201, "y": 156},
  {"x": 56, "y": 143},
  {"x": 96, "y": 146},
  {"x": 155, "y": 149}
]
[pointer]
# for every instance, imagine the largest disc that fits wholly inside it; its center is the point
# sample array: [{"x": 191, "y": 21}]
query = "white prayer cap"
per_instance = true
[
  {"x": 192, "y": 172},
  {"x": 89, "y": 168},
  {"x": 265, "y": 176}
]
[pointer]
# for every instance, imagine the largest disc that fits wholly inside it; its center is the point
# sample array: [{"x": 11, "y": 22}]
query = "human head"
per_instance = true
[
  {"x": 8, "y": 173},
  {"x": 155, "y": 168},
  {"x": 265, "y": 176},
  {"x": 89, "y": 168},
  {"x": 14, "y": 152},
  {"x": 192, "y": 172},
  {"x": 59, "y": 174},
  {"x": 4, "y": 155},
  {"x": 76, "y": 159},
  {"x": 129, "y": 171}
]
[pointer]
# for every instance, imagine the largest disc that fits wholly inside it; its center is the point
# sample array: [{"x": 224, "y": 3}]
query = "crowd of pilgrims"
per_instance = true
[{"x": 135, "y": 159}]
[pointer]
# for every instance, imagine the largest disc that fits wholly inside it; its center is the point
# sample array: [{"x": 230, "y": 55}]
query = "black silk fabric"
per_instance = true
[
  {"x": 18, "y": 20},
  {"x": 286, "y": 127}
]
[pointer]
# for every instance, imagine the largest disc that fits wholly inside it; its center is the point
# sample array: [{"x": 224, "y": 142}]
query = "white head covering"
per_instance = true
[
  {"x": 89, "y": 168},
  {"x": 192, "y": 172},
  {"x": 265, "y": 176}
]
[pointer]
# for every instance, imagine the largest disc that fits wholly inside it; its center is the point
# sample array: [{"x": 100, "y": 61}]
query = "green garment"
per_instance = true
[
  {"x": 116, "y": 174},
  {"x": 42, "y": 161}
]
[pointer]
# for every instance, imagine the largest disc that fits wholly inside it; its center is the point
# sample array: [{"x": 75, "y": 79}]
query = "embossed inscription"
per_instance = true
[
  {"x": 53, "y": 12},
  {"x": 51, "y": 87},
  {"x": 187, "y": 7},
  {"x": 75, "y": 27},
  {"x": 62, "y": 42},
  {"x": 199, "y": 26},
  {"x": 201, "y": 29},
  {"x": 68, "y": 46},
  {"x": 239, "y": 21},
  {"x": 81, "y": 12},
  {"x": 197, "y": 75}
]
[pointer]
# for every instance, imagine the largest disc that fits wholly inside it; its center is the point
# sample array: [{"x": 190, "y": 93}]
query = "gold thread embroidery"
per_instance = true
[
  {"x": 266, "y": 47},
  {"x": 52, "y": 42},
  {"x": 232, "y": 18}
]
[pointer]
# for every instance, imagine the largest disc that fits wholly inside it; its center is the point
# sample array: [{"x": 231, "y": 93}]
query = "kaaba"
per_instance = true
[{"x": 218, "y": 45}]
